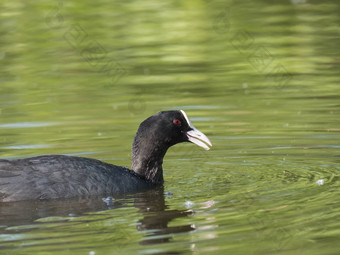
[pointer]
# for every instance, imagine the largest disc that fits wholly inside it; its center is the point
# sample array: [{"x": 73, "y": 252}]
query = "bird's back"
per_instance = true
[{"x": 57, "y": 176}]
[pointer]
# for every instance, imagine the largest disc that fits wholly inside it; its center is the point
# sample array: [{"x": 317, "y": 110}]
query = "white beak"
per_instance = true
[{"x": 195, "y": 136}]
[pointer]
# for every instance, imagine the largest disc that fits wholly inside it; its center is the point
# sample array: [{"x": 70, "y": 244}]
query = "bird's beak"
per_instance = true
[{"x": 197, "y": 137}]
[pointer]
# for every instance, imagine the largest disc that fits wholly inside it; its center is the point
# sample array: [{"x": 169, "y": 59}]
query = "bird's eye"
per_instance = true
[{"x": 177, "y": 122}]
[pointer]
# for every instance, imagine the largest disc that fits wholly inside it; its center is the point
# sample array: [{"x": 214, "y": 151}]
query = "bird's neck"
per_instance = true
[{"x": 147, "y": 161}]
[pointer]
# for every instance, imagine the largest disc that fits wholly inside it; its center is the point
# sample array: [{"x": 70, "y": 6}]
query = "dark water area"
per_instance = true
[{"x": 259, "y": 78}]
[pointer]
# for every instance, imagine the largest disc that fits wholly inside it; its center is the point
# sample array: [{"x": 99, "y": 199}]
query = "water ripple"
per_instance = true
[{"x": 26, "y": 124}]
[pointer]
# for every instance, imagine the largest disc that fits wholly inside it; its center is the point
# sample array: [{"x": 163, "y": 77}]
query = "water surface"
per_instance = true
[{"x": 260, "y": 79}]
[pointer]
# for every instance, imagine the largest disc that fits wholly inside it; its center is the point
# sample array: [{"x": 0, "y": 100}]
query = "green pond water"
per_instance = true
[{"x": 260, "y": 78}]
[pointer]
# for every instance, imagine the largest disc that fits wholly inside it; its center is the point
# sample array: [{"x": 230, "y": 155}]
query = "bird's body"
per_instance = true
[
  {"x": 59, "y": 176},
  {"x": 55, "y": 176}
]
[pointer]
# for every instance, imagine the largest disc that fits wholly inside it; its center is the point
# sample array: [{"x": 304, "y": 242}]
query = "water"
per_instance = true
[{"x": 260, "y": 79}]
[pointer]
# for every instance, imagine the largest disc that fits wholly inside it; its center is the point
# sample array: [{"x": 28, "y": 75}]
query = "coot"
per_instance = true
[{"x": 58, "y": 176}]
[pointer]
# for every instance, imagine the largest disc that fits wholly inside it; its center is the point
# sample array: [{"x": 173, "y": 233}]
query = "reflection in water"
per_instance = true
[
  {"x": 26, "y": 212},
  {"x": 154, "y": 218}
]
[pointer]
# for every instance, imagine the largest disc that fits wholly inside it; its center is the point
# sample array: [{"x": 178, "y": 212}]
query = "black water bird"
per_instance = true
[{"x": 59, "y": 176}]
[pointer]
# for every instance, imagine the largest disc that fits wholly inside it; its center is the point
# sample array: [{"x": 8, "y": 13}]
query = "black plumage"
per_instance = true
[{"x": 59, "y": 176}]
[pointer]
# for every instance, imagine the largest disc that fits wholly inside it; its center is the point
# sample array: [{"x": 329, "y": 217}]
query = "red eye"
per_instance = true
[{"x": 177, "y": 122}]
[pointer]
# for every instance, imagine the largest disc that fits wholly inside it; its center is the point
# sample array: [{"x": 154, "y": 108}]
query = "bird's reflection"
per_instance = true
[
  {"x": 26, "y": 212},
  {"x": 154, "y": 214},
  {"x": 156, "y": 218}
]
